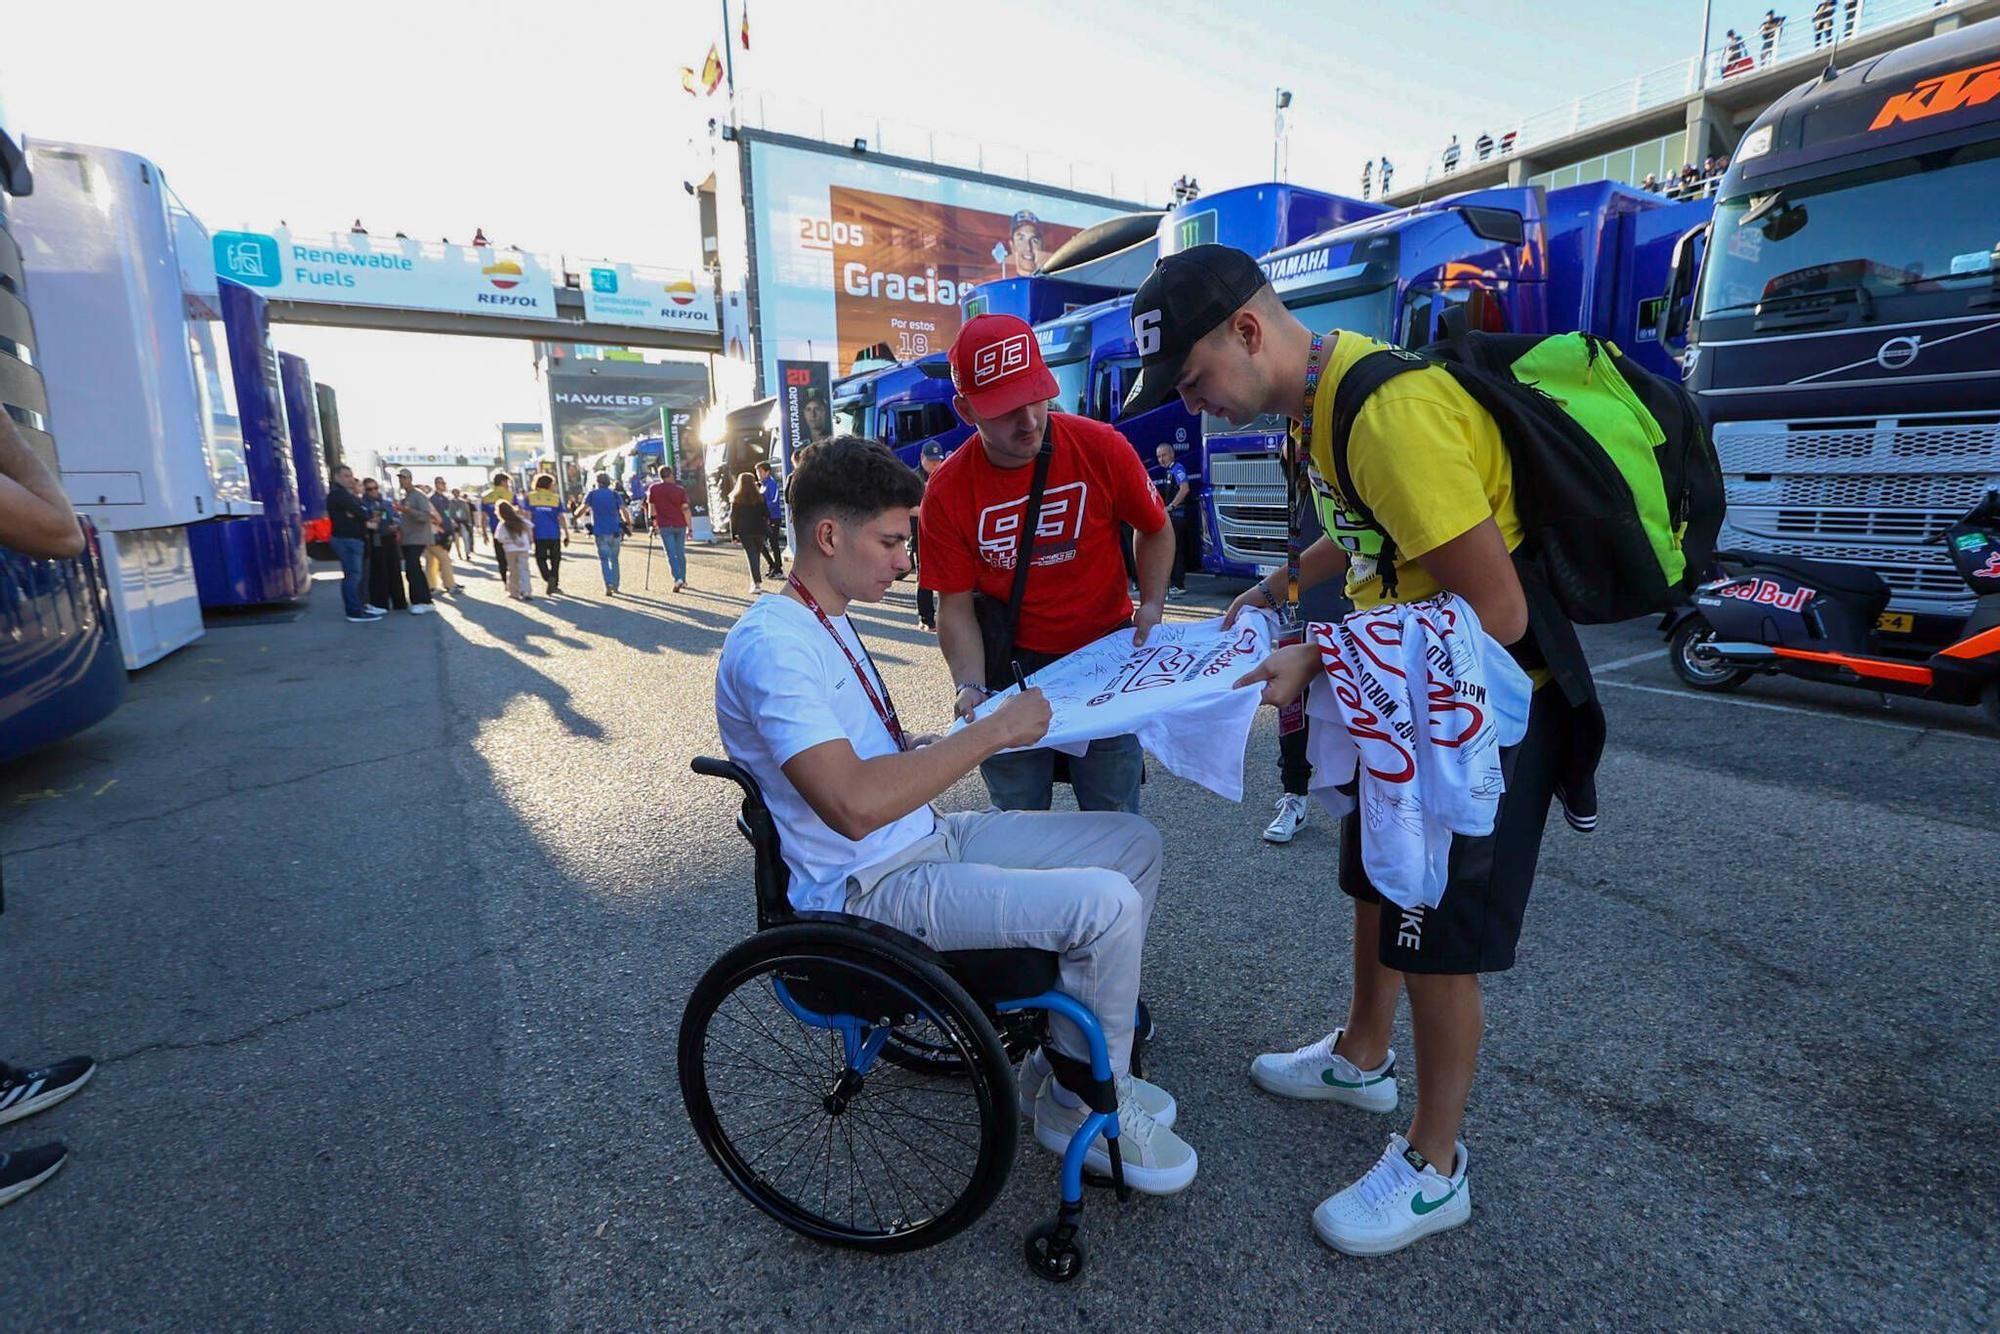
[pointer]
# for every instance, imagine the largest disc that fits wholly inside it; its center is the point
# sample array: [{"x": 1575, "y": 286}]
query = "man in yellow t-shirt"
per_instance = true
[{"x": 1429, "y": 464}]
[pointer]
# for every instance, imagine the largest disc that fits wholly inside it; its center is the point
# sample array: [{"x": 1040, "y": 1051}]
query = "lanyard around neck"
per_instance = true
[{"x": 885, "y": 708}]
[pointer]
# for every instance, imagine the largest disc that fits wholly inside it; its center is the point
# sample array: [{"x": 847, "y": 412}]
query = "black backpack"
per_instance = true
[{"x": 1620, "y": 516}]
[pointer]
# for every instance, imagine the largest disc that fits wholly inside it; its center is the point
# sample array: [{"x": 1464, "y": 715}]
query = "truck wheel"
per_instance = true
[{"x": 1695, "y": 664}]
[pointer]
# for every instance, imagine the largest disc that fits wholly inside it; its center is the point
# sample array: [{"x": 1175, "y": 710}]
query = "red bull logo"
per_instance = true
[{"x": 1767, "y": 593}]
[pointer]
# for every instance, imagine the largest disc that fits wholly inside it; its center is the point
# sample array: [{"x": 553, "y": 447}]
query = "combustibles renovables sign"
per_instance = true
[
  {"x": 359, "y": 270},
  {"x": 653, "y": 298}
]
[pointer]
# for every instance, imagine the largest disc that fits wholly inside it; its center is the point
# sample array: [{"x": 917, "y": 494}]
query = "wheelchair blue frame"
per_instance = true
[{"x": 861, "y": 1047}]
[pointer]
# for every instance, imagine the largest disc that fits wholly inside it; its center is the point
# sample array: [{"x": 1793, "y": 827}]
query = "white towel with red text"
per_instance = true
[{"x": 1417, "y": 699}]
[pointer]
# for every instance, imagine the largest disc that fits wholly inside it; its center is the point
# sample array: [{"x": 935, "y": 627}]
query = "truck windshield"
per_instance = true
[
  {"x": 1890, "y": 230},
  {"x": 1367, "y": 313},
  {"x": 1072, "y": 378},
  {"x": 850, "y": 416}
]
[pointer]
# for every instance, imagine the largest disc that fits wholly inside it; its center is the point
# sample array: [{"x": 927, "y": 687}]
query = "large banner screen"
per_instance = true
[{"x": 853, "y": 253}]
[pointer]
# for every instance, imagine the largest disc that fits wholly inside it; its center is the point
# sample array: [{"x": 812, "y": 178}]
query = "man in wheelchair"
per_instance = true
[{"x": 800, "y": 705}]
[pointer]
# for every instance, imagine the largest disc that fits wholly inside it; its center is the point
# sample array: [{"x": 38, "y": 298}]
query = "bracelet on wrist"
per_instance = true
[{"x": 964, "y": 686}]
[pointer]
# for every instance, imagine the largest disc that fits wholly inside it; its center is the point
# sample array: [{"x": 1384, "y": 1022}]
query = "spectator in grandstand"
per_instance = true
[
  {"x": 1651, "y": 184},
  {"x": 1734, "y": 51},
  {"x": 1770, "y": 29},
  {"x": 1451, "y": 155},
  {"x": 1823, "y": 23},
  {"x": 357, "y": 229},
  {"x": 1507, "y": 142},
  {"x": 1386, "y": 168},
  {"x": 479, "y": 237},
  {"x": 1483, "y": 145},
  {"x": 1367, "y": 177},
  {"x": 1852, "y": 10}
]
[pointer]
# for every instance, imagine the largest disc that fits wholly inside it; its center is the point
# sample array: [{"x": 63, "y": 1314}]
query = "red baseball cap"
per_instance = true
[{"x": 996, "y": 363}]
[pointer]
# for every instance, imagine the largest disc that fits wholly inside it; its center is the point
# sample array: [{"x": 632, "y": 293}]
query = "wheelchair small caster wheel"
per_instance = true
[{"x": 1055, "y": 1252}]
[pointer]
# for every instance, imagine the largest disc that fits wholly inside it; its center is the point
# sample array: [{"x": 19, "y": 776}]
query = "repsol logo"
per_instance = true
[{"x": 507, "y": 299}]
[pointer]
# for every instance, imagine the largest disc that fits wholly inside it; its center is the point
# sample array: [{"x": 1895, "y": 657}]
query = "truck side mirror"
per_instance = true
[{"x": 1677, "y": 311}]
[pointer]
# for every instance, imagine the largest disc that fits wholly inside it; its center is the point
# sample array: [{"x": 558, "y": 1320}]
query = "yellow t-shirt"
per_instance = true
[{"x": 1427, "y": 458}]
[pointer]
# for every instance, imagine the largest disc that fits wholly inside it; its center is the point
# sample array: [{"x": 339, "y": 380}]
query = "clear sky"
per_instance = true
[{"x": 563, "y": 128}]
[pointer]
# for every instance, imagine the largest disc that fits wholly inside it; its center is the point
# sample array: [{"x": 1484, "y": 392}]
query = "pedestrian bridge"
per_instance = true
[{"x": 358, "y": 281}]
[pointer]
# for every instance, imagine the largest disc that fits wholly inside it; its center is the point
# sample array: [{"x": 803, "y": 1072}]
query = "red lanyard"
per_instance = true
[{"x": 885, "y": 708}]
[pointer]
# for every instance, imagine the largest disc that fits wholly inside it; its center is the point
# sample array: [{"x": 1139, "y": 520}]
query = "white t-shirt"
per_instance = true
[{"x": 783, "y": 686}]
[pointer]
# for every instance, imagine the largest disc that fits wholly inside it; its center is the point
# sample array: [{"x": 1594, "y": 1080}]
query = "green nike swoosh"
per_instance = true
[
  {"x": 1328, "y": 1077},
  {"x": 1421, "y": 1206}
]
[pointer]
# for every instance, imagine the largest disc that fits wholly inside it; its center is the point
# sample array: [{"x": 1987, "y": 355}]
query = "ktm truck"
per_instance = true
[{"x": 1845, "y": 344}]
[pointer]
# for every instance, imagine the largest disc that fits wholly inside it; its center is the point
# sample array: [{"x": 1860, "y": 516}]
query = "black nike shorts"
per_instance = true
[{"x": 1476, "y": 925}]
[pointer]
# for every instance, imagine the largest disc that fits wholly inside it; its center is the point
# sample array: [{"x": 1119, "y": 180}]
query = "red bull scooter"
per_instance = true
[{"x": 1816, "y": 620}]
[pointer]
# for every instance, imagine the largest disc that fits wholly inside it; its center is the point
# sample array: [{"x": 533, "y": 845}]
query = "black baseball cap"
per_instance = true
[{"x": 1185, "y": 297}]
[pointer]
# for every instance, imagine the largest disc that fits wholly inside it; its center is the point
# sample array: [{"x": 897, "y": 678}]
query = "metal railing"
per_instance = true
[
  {"x": 922, "y": 143},
  {"x": 1796, "y": 39}
]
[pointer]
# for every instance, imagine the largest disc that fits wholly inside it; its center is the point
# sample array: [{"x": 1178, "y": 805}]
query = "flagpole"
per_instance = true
[{"x": 729, "y": 60}]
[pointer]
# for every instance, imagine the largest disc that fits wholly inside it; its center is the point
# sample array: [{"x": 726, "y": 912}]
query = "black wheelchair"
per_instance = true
[{"x": 856, "y": 1085}]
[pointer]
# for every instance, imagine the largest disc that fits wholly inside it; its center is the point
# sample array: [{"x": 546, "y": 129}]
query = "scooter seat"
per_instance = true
[{"x": 1830, "y": 576}]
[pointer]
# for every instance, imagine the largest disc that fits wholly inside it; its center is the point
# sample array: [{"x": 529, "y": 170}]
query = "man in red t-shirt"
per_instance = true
[
  {"x": 668, "y": 500},
  {"x": 974, "y": 506}
]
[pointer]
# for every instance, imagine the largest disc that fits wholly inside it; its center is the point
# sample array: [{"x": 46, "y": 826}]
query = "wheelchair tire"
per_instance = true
[{"x": 895, "y": 1159}]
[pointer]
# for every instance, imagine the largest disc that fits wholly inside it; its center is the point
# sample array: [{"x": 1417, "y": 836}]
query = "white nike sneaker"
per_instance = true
[
  {"x": 1156, "y": 1160},
  {"x": 1292, "y": 812},
  {"x": 1035, "y": 1072},
  {"x": 1397, "y": 1201},
  {"x": 1316, "y": 1073}
]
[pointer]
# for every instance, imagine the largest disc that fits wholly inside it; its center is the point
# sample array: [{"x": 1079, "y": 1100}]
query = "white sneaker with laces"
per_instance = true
[
  {"x": 420, "y": 609},
  {"x": 1292, "y": 812},
  {"x": 1035, "y": 1072},
  {"x": 379, "y": 611},
  {"x": 1400, "y": 1199},
  {"x": 1315, "y": 1073},
  {"x": 1156, "y": 1160}
]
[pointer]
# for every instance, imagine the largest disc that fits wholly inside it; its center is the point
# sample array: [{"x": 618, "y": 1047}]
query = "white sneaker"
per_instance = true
[
  {"x": 420, "y": 609},
  {"x": 1034, "y": 1073},
  {"x": 1395, "y": 1202},
  {"x": 1315, "y": 1073},
  {"x": 1291, "y": 818},
  {"x": 1156, "y": 1160},
  {"x": 379, "y": 611}
]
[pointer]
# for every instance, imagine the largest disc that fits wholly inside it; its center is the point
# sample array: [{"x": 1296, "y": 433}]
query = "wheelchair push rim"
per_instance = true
[{"x": 801, "y": 1106}]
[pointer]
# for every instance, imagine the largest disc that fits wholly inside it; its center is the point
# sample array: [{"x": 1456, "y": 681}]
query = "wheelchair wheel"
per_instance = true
[{"x": 821, "y": 1129}]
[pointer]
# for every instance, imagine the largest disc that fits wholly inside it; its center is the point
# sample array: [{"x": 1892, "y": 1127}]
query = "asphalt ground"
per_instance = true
[{"x": 381, "y": 935}]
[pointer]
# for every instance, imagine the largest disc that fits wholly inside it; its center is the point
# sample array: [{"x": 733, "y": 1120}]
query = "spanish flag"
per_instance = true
[
  {"x": 708, "y": 79},
  {"x": 743, "y": 29}
]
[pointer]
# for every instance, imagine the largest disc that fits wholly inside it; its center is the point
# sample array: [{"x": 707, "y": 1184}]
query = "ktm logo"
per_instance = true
[
  {"x": 1001, "y": 359},
  {"x": 504, "y": 274},
  {"x": 1934, "y": 97}
]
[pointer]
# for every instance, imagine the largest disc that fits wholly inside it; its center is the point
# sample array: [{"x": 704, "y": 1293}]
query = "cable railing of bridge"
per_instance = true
[
  {"x": 922, "y": 143},
  {"x": 1799, "y": 37}
]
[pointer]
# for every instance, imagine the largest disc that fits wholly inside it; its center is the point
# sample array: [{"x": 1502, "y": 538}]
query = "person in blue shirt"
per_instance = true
[
  {"x": 774, "y": 507},
  {"x": 607, "y": 526},
  {"x": 545, "y": 509},
  {"x": 1170, "y": 479}
]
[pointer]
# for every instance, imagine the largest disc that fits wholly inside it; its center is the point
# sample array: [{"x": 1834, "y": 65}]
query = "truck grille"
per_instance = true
[
  {"x": 1868, "y": 493},
  {"x": 1249, "y": 492}
]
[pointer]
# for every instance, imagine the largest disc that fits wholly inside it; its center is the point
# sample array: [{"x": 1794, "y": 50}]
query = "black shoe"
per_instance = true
[
  {"x": 24, "y": 1169},
  {"x": 25, "y": 1092}
]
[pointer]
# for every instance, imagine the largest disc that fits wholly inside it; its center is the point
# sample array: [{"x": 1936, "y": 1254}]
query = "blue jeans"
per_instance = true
[
  {"x": 1104, "y": 778},
  {"x": 607, "y": 556},
  {"x": 352, "y": 553},
  {"x": 675, "y": 541}
]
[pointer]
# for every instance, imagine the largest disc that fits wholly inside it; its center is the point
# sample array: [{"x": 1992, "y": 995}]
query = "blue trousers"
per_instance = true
[
  {"x": 607, "y": 557},
  {"x": 352, "y": 553},
  {"x": 675, "y": 541},
  {"x": 1104, "y": 778}
]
